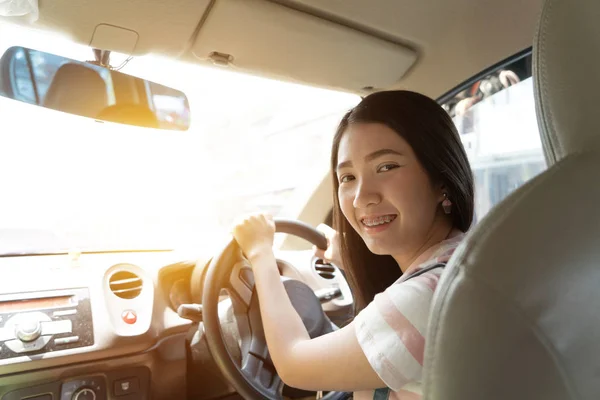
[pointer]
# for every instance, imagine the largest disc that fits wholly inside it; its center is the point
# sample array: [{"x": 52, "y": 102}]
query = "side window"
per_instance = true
[
  {"x": 496, "y": 119},
  {"x": 20, "y": 77}
]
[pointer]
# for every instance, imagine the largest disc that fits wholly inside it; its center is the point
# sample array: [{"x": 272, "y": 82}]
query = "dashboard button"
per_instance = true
[
  {"x": 129, "y": 316},
  {"x": 66, "y": 340},
  {"x": 127, "y": 386},
  {"x": 64, "y": 313},
  {"x": 57, "y": 327},
  {"x": 6, "y": 334},
  {"x": 28, "y": 331}
]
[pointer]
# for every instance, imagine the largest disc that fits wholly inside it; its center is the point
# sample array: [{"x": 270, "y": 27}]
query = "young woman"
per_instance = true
[{"x": 403, "y": 198}]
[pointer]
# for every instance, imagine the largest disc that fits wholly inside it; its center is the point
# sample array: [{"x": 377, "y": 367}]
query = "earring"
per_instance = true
[{"x": 447, "y": 204}]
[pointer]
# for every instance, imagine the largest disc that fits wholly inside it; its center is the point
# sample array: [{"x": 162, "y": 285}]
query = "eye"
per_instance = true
[
  {"x": 387, "y": 167},
  {"x": 346, "y": 178}
]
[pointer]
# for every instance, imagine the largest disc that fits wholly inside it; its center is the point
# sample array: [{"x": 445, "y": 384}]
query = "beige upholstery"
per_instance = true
[
  {"x": 517, "y": 313},
  {"x": 567, "y": 62},
  {"x": 293, "y": 45},
  {"x": 453, "y": 39}
]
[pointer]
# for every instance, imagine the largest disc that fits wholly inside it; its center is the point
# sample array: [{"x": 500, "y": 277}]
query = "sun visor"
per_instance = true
[{"x": 265, "y": 38}]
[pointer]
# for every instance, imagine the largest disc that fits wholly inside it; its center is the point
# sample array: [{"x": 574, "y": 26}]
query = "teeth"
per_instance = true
[{"x": 379, "y": 220}]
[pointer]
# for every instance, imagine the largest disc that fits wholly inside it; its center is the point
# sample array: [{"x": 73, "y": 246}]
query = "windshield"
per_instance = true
[{"x": 68, "y": 181}]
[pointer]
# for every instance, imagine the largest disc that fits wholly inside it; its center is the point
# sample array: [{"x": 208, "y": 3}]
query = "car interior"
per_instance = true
[{"x": 134, "y": 133}]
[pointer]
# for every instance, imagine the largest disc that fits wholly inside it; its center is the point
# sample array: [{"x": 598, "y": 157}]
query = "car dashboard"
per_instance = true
[{"x": 104, "y": 325}]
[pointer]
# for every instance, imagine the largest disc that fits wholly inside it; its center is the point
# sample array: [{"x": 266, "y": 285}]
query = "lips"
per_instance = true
[{"x": 377, "y": 220}]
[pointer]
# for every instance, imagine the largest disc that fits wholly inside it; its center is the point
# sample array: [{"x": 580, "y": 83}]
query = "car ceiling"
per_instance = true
[{"x": 352, "y": 45}]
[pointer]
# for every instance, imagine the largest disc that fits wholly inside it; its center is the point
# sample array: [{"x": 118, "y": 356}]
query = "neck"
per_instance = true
[{"x": 438, "y": 233}]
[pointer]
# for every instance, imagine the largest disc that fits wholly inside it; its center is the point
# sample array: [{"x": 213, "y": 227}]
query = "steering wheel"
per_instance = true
[{"x": 257, "y": 377}]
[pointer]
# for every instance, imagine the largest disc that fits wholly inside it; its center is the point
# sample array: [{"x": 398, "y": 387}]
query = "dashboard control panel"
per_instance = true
[
  {"x": 130, "y": 384},
  {"x": 41, "y": 322}
]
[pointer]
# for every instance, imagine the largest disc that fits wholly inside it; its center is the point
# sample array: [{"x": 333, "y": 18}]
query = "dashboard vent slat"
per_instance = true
[
  {"x": 126, "y": 281},
  {"x": 125, "y": 284},
  {"x": 324, "y": 269},
  {"x": 125, "y": 290}
]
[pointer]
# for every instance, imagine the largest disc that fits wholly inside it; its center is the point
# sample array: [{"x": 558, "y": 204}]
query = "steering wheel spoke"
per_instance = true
[
  {"x": 241, "y": 283},
  {"x": 263, "y": 373},
  {"x": 256, "y": 378},
  {"x": 256, "y": 362}
]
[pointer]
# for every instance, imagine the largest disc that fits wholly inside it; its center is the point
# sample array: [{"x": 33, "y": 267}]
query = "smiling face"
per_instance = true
[{"x": 385, "y": 193}]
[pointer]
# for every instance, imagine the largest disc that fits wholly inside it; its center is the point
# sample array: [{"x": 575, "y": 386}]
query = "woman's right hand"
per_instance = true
[{"x": 333, "y": 252}]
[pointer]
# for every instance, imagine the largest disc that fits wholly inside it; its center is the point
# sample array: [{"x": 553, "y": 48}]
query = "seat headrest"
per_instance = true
[
  {"x": 566, "y": 61},
  {"x": 77, "y": 89}
]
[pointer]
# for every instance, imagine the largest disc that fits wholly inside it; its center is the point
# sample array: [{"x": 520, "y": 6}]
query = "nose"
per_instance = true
[{"x": 366, "y": 195}]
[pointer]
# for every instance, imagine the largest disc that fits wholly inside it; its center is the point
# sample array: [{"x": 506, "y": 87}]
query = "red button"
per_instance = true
[{"x": 129, "y": 316}]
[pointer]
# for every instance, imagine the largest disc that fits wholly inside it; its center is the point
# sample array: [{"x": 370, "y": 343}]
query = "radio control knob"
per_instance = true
[
  {"x": 84, "y": 394},
  {"x": 28, "y": 331}
]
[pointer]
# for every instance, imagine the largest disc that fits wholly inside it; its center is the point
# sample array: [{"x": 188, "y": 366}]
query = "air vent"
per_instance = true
[
  {"x": 324, "y": 269},
  {"x": 125, "y": 284}
]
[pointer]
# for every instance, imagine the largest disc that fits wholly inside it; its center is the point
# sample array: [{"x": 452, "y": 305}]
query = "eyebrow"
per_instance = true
[{"x": 370, "y": 157}]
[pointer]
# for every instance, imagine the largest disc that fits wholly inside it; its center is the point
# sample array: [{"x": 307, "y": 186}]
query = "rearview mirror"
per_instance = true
[{"x": 89, "y": 90}]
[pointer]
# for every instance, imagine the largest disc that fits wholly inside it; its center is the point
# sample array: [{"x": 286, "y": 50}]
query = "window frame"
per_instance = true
[{"x": 487, "y": 71}]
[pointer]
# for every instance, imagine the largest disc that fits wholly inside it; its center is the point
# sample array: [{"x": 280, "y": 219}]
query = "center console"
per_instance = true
[
  {"x": 37, "y": 323},
  {"x": 40, "y": 322},
  {"x": 90, "y": 329}
]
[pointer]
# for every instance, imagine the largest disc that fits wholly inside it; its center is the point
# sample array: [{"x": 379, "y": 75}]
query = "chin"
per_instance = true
[{"x": 381, "y": 249}]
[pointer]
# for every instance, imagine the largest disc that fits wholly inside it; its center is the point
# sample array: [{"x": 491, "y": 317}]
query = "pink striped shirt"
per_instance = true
[{"x": 391, "y": 330}]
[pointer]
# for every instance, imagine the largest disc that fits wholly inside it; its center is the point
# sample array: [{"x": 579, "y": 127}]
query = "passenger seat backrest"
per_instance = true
[{"x": 516, "y": 314}]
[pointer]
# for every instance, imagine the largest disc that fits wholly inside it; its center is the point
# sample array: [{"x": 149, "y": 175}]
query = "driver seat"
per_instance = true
[{"x": 516, "y": 312}]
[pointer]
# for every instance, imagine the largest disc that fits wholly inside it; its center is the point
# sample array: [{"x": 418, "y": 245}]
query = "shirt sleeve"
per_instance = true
[{"x": 391, "y": 329}]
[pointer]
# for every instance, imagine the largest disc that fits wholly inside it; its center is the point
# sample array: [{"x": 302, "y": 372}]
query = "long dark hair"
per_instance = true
[{"x": 429, "y": 130}]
